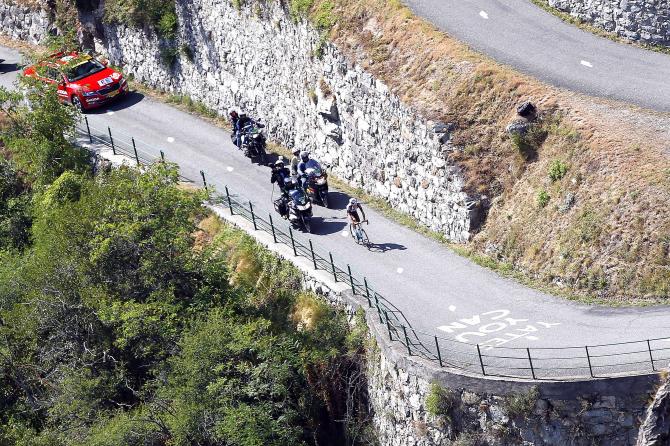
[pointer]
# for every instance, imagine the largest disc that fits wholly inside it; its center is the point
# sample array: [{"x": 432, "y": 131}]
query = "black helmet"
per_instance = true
[{"x": 233, "y": 114}]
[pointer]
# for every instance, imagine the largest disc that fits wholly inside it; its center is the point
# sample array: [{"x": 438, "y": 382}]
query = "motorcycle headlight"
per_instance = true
[
  {"x": 321, "y": 181},
  {"x": 303, "y": 207}
]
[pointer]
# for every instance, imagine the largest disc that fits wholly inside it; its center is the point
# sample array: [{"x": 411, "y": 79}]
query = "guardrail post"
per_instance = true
[
  {"x": 351, "y": 279},
  {"x": 367, "y": 291},
  {"x": 137, "y": 158},
  {"x": 290, "y": 231},
  {"x": 272, "y": 225},
  {"x": 162, "y": 156},
  {"x": 409, "y": 349},
  {"x": 253, "y": 216},
  {"x": 530, "y": 361},
  {"x": 311, "y": 250},
  {"x": 379, "y": 311},
  {"x": 204, "y": 181},
  {"x": 588, "y": 358},
  {"x": 439, "y": 355},
  {"x": 332, "y": 265},
  {"x": 109, "y": 130},
  {"x": 388, "y": 325},
  {"x": 651, "y": 356},
  {"x": 230, "y": 204},
  {"x": 88, "y": 130},
  {"x": 481, "y": 361}
]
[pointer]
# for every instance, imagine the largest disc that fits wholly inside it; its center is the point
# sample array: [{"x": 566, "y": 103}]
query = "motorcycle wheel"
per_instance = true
[
  {"x": 307, "y": 225},
  {"x": 324, "y": 199}
]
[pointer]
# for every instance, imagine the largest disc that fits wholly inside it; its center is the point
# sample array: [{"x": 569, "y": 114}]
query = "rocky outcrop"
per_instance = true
[
  {"x": 655, "y": 431},
  {"x": 646, "y": 21},
  {"x": 23, "y": 23}
]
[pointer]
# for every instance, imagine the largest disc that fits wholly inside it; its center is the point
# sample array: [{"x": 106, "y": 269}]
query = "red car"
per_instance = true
[{"x": 82, "y": 80}]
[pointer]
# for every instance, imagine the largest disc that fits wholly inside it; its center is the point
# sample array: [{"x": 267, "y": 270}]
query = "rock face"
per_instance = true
[
  {"x": 499, "y": 413},
  {"x": 646, "y": 21},
  {"x": 655, "y": 431},
  {"x": 260, "y": 60},
  {"x": 23, "y": 23}
]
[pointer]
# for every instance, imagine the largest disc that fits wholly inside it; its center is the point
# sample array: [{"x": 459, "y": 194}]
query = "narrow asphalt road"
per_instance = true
[
  {"x": 518, "y": 33},
  {"x": 437, "y": 290}
]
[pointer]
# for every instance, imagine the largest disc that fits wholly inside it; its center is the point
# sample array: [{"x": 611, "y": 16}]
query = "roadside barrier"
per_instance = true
[{"x": 559, "y": 363}]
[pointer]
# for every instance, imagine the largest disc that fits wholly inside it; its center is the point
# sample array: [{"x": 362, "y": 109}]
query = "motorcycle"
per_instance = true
[
  {"x": 317, "y": 185},
  {"x": 254, "y": 142},
  {"x": 299, "y": 209}
]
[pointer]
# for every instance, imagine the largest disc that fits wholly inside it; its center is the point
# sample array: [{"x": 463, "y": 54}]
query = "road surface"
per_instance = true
[
  {"x": 437, "y": 290},
  {"x": 519, "y": 34}
]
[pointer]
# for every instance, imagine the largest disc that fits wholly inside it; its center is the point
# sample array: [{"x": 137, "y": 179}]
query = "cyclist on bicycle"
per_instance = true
[{"x": 354, "y": 219}]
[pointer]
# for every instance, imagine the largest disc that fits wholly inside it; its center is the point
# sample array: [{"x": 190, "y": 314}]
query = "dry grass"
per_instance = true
[{"x": 614, "y": 241}]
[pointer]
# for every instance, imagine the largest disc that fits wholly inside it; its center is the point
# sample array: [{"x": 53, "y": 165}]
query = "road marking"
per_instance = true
[
  {"x": 170, "y": 139},
  {"x": 400, "y": 270},
  {"x": 484, "y": 15},
  {"x": 586, "y": 63},
  {"x": 494, "y": 328},
  {"x": 229, "y": 169}
]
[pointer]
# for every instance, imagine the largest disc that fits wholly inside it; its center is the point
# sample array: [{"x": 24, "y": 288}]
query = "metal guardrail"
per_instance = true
[{"x": 559, "y": 363}]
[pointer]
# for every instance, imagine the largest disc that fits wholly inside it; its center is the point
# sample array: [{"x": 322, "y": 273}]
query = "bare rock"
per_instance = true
[{"x": 655, "y": 431}]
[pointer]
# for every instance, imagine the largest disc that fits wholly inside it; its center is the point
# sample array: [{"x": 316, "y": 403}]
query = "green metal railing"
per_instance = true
[{"x": 568, "y": 363}]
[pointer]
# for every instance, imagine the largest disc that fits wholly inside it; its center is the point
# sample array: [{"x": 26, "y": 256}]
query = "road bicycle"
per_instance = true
[{"x": 359, "y": 234}]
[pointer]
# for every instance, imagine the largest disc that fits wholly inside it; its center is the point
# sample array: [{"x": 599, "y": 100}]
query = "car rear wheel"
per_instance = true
[{"x": 76, "y": 103}]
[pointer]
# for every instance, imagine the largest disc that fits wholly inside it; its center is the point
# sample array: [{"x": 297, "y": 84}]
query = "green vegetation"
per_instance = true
[
  {"x": 521, "y": 405},
  {"x": 131, "y": 316},
  {"x": 542, "y": 198},
  {"x": 557, "y": 170},
  {"x": 440, "y": 401}
]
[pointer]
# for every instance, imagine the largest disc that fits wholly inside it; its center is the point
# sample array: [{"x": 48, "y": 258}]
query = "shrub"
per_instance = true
[
  {"x": 324, "y": 18},
  {"x": 168, "y": 24},
  {"x": 522, "y": 404},
  {"x": 300, "y": 8},
  {"x": 557, "y": 170},
  {"x": 440, "y": 400},
  {"x": 542, "y": 198},
  {"x": 169, "y": 55}
]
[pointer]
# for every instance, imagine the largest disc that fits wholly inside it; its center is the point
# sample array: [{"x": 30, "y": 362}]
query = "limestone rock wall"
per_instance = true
[
  {"x": 499, "y": 412},
  {"x": 646, "y": 21},
  {"x": 23, "y": 23},
  {"x": 261, "y": 60}
]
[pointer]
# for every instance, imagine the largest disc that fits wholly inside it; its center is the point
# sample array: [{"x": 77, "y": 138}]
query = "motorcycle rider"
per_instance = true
[
  {"x": 352, "y": 212},
  {"x": 295, "y": 161},
  {"x": 239, "y": 121},
  {"x": 279, "y": 175},
  {"x": 306, "y": 163}
]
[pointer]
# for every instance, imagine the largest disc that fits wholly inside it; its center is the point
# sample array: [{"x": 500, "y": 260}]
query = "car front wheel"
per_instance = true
[{"x": 77, "y": 104}]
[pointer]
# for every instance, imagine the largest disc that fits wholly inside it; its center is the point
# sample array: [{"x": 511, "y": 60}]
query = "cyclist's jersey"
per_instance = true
[{"x": 352, "y": 210}]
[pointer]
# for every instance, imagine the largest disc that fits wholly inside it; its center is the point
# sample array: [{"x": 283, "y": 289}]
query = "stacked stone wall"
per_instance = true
[{"x": 646, "y": 21}]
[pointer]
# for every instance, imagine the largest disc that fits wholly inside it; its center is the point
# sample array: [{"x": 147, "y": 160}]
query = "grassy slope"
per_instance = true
[{"x": 614, "y": 242}]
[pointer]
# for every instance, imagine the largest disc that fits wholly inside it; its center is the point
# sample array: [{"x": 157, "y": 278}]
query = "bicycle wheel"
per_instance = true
[{"x": 364, "y": 237}]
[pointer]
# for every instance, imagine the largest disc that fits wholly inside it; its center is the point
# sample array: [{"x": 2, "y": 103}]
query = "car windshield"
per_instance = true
[{"x": 82, "y": 70}]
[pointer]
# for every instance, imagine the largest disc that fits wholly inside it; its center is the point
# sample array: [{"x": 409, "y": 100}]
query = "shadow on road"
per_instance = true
[
  {"x": 323, "y": 227},
  {"x": 383, "y": 247},
  {"x": 338, "y": 200},
  {"x": 131, "y": 98},
  {"x": 8, "y": 67}
]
